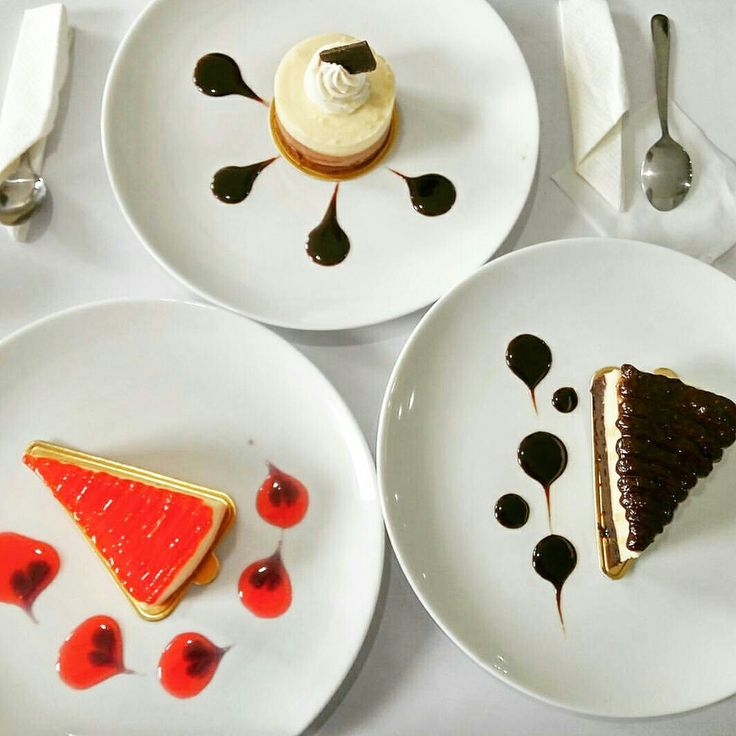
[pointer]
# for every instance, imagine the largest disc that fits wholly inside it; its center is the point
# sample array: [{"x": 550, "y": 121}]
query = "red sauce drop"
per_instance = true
[
  {"x": 282, "y": 500},
  {"x": 188, "y": 664},
  {"x": 91, "y": 653},
  {"x": 27, "y": 567},
  {"x": 264, "y": 587}
]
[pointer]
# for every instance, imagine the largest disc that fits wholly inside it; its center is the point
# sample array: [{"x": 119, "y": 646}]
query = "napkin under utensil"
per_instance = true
[
  {"x": 37, "y": 73},
  {"x": 604, "y": 179}
]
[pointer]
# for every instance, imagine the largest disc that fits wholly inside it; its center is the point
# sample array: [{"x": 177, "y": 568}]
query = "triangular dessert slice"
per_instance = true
[
  {"x": 653, "y": 438},
  {"x": 156, "y": 535}
]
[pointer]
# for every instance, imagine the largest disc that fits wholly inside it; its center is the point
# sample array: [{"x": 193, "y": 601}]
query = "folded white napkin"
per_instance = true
[
  {"x": 36, "y": 75},
  {"x": 597, "y": 93},
  {"x": 704, "y": 225}
]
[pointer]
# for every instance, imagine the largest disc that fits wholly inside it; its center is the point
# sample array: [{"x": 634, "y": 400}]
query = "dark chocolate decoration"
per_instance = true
[
  {"x": 529, "y": 358},
  {"x": 565, "y": 399},
  {"x": 553, "y": 559},
  {"x": 511, "y": 511},
  {"x": 232, "y": 184},
  {"x": 431, "y": 194},
  {"x": 543, "y": 457},
  {"x": 671, "y": 435},
  {"x": 354, "y": 58},
  {"x": 218, "y": 75},
  {"x": 328, "y": 244}
]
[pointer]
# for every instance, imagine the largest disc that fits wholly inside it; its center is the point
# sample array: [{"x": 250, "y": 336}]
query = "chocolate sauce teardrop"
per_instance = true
[
  {"x": 543, "y": 457},
  {"x": 328, "y": 244},
  {"x": 232, "y": 184},
  {"x": 511, "y": 511},
  {"x": 565, "y": 399},
  {"x": 218, "y": 75},
  {"x": 430, "y": 194},
  {"x": 553, "y": 559},
  {"x": 529, "y": 358}
]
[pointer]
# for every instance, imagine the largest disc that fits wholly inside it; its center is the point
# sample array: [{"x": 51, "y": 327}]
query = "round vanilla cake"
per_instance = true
[{"x": 326, "y": 118}]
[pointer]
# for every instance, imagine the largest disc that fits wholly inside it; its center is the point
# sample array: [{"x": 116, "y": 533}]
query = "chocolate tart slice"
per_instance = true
[{"x": 654, "y": 437}]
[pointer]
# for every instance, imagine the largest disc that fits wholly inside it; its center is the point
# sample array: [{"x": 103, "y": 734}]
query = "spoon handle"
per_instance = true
[{"x": 661, "y": 39}]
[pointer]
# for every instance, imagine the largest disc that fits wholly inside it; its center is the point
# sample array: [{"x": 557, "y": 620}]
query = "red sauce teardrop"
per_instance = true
[
  {"x": 188, "y": 664},
  {"x": 282, "y": 500},
  {"x": 93, "y": 652},
  {"x": 265, "y": 588},
  {"x": 27, "y": 567}
]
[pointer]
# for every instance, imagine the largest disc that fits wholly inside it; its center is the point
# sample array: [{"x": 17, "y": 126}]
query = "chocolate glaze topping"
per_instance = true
[{"x": 671, "y": 434}]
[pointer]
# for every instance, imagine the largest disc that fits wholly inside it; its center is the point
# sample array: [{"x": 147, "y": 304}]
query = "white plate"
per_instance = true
[
  {"x": 468, "y": 110},
  {"x": 662, "y": 639},
  {"x": 182, "y": 389}
]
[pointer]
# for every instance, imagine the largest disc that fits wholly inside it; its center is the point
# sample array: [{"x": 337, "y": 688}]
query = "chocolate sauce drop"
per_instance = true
[
  {"x": 565, "y": 399},
  {"x": 511, "y": 511},
  {"x": 529, "y": 358},
  {"x": 553, "y": 559},
  {"x": 328, "y": 244},
  {"x": 430, "y": 194},
  {"x": 218, "y": 75},
  {"x": 543, "y": 457},
  {"x": 232, "y": 184}
]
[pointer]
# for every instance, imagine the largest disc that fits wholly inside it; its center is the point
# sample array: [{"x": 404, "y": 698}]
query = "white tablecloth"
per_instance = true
[{"x": 410, "y": 680}]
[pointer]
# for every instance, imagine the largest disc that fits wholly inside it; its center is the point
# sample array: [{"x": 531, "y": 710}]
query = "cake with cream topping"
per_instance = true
[{"x": 333, "y": 108}]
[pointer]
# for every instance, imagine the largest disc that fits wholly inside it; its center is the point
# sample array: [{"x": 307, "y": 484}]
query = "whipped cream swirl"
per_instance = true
[{"x": 332, "y": 87}]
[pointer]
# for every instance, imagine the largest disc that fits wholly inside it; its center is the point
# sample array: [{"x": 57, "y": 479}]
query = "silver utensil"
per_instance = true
[
  {"x": 666, "y": 171},
  {"x": 22, "y": 193}
]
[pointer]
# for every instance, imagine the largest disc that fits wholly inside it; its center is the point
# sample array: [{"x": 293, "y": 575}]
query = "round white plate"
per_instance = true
[
  {"x": 468, "y": 111},
  {"x": 658, "y": 641},
  {"x": 183, "y": 389}
]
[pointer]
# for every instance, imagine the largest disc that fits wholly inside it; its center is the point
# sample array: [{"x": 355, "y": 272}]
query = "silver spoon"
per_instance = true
[
  {"x": 21, "y": 194},
  {"x": 666, "y": 171}
]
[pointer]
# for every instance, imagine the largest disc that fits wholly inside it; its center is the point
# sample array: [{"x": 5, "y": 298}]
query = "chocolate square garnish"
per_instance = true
[{"x": 354, "y": 58}]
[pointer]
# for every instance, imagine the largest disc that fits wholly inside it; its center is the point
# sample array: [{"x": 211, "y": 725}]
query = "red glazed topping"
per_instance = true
[
  {"x": 282, "y": 500},
  {"x": 265, "y": 588},
  {"x": 188, "y": 664},
  {"x": 146, "y": 534},
  {"x": 27, "y": 566},
  {"x": 91, "y": 653}
]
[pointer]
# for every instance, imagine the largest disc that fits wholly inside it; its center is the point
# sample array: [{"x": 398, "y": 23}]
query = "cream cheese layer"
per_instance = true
[{"x": 328, "y": 110}]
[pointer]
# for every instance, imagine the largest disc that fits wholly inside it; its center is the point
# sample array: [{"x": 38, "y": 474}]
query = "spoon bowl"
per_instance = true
[
  {"x": 666, "y": 171},
  {"x": 21, "y": 194},
  {"x": 666, "y": 174}
]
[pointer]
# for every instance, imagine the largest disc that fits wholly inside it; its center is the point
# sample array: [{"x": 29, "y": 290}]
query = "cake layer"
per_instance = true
[
  {"x": 323, "y": 128},
  {"x": 315, "y": 162}
]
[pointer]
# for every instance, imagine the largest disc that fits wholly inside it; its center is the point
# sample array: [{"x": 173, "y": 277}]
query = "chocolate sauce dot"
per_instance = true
[
  {"x": 218, "y": 75},
  {"x": 511, "y": 511},
  {"x": 543, "y": 457},
  {"x": 232, "y": 184},
  {"x": 553, "y": 559},
  {"x": 529, "y": 358},
  {"x": 431, "y": 194},
  {"x": 565, "y": 399},
  {"x": 328, "y": 244}
]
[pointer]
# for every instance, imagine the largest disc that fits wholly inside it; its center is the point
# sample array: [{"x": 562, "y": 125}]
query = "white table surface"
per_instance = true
[{"x": 409, "y": 678}]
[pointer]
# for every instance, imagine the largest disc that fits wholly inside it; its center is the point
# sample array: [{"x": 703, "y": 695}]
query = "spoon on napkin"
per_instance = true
[{"x": 666, "y": 171}]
